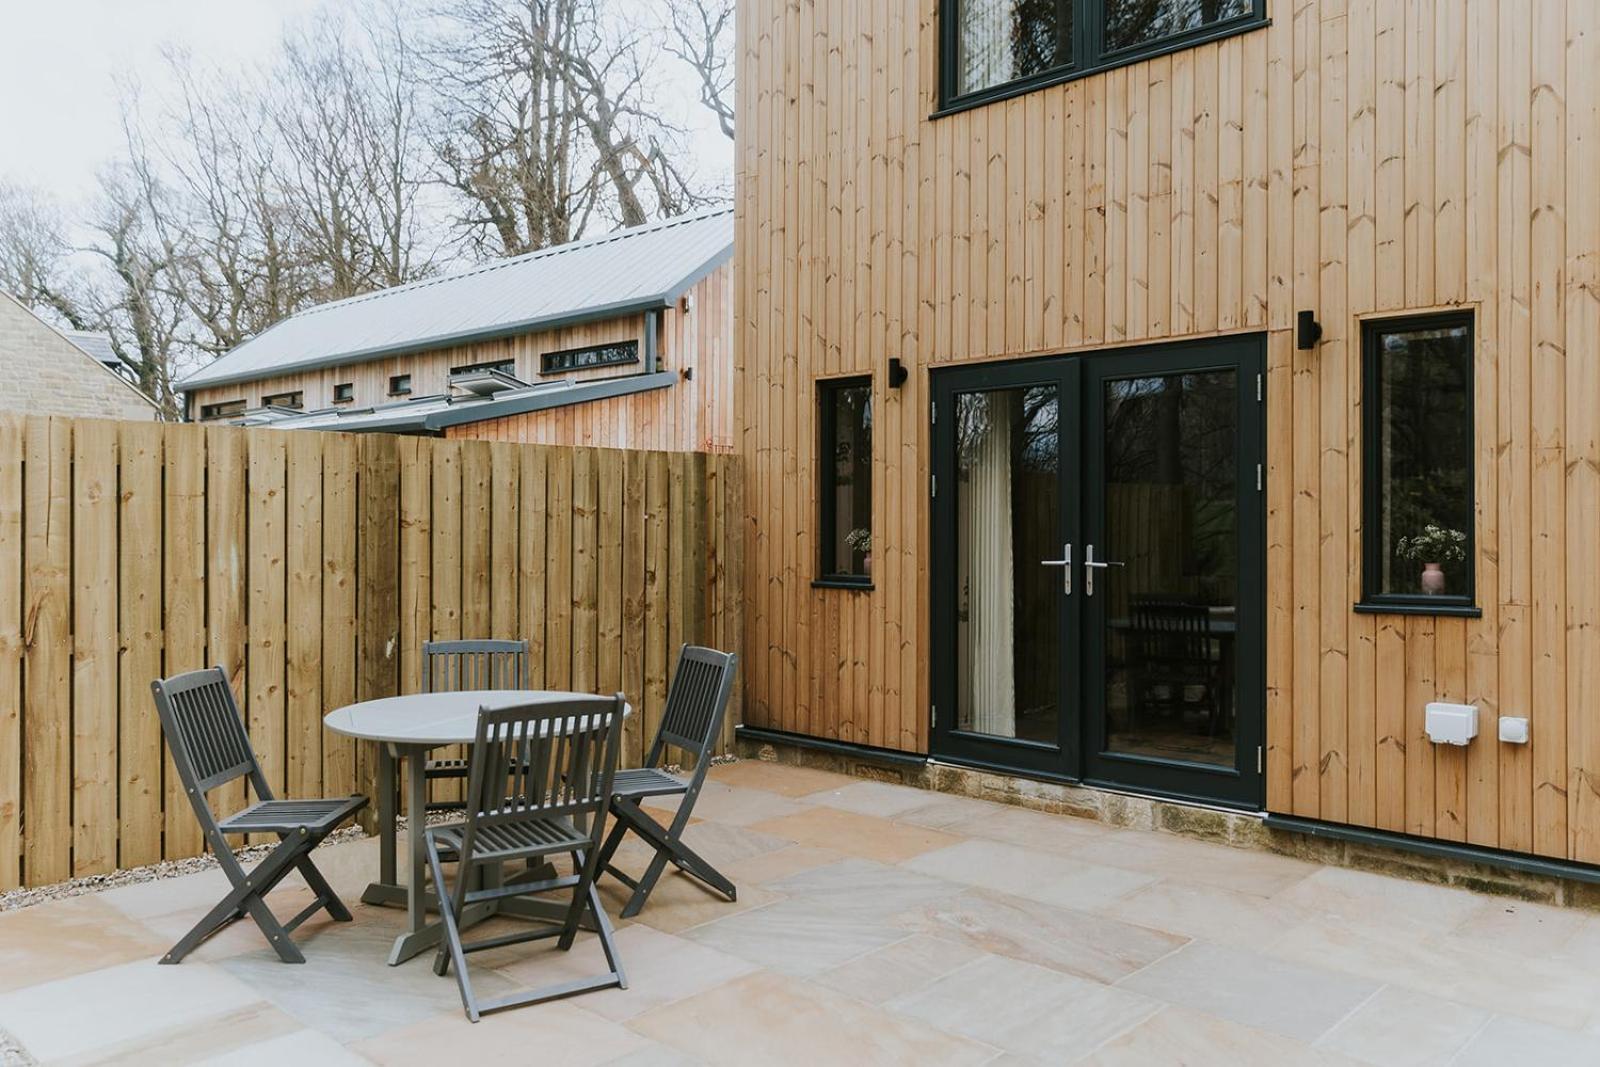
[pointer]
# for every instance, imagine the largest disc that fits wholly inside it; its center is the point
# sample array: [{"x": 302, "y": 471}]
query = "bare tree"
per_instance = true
[
  {"x": 702, "y": 36},
  {"x": 34, "y": 250}
]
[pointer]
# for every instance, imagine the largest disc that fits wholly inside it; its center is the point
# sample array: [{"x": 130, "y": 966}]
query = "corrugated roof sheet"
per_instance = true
[
  {"x": 97, "y": 345},
  {"x": 617, "y": 274}
]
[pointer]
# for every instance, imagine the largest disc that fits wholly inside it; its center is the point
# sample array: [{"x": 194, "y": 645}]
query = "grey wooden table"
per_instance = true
[{"x": 407, "y": 728}]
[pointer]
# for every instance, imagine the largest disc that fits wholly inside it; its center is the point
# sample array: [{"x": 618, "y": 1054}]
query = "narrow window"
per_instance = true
[
  {"x": 222, "y": 410},
  {"x": 344, "y": 392},
  {"x": 503, "y": 366},
  {"x": 845, "y": 482},
  {"x": 400, "y": 385},
  {"x": 593, "y": 356},
  {"x": 1418, "y": 497},
  {"x": 295, "y": 399}
]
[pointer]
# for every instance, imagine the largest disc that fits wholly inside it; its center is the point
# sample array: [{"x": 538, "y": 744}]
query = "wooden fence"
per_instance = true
[{"x": 312, "y": 567}]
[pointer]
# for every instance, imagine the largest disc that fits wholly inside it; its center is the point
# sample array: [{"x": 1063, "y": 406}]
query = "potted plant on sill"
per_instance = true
[
  {"x": 860, "y": 540},
  {"x": 1434, "y": 547}
]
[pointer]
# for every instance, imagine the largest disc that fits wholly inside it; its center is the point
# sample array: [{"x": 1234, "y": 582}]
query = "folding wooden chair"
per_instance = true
[
  {"x": 696, "y": 704},
  {"x": 457, "y": 666},
  {"x": 210, "y": 748},
  {"x": 540, "y": 785}
]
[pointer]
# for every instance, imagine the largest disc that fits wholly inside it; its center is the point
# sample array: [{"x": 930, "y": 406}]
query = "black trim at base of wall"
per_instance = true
[
  {"x": 839, "y": 748},
  {"x": 1491, "y": 857}
]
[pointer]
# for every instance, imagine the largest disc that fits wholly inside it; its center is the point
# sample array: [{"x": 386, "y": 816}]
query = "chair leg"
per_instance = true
[
  {"x": 619, "y": 830},
  {"x": 450, "y": 951},
  {"x": 669, "y": 846},
  {"x": 247, "y": 898},
  {"x": 319, "y": 885}
]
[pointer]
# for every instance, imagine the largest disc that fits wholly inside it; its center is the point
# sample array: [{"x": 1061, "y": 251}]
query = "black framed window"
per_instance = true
[
  {"x": 400, "y": 385},
  {"x": 344, "y": 392},
  {"x": 221, "y": 410},
  {"x": 593, "y": 356},
  {"x": 293, "y": 399},
  {"x": 997, "y": 48},
  {"x": 844, "y": 489},
  {"x": 1418, "y": 499}
]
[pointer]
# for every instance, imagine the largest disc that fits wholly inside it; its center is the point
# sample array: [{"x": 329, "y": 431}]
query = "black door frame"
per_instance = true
[{"x": 1077, "y": 756}]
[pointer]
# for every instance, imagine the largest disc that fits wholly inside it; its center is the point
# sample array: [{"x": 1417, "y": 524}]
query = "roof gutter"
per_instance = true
[{"x": 428, "y": 344}]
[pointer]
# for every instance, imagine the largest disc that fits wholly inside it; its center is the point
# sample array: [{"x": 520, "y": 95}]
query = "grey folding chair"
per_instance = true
[
  {"x": 210, "y": 748},
  {"x": 456, "y": 666},
  {"x": 540, "y": 786},
  {"x": 696, "y": 704}
]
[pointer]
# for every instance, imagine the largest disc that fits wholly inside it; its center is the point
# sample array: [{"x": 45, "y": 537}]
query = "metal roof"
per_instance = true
[
  {"x": 602, "y": 277},
  {"x": 95, "y": 344},
  {"x": 425, "y": 414}
]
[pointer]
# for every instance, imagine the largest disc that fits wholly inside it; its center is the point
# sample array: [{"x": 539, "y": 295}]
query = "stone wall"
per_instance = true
[{"x": 43, "y": 373}]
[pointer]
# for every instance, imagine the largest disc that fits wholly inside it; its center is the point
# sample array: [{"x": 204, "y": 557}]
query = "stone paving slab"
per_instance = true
[{"x": 874, "y": 924}]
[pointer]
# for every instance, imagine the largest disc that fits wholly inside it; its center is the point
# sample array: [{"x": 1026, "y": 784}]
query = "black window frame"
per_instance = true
[
  {"x": 562, "y": 360},
  {"x": 348, "y": 394},
  {"x": 400, "y": 385},
  {"x": 1373, "y": 599},
  {"x": 1089, "y": 55},
  {"x": 828, "y": 573},
  {"x": 291, "y": 398},
  {"x": 222, "y": 409}
]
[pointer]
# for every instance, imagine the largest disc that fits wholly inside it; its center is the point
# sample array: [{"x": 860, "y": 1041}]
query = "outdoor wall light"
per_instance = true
[
  {"x": 1308, "y": 331},
  {"x": 897, "y": 373}
]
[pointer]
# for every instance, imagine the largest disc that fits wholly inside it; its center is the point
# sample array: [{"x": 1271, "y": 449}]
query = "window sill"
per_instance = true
[
  {"x": 860, "y": 585},
  {"x": 1006, "y": 91},
  {"x": 1458, "y": 609}
]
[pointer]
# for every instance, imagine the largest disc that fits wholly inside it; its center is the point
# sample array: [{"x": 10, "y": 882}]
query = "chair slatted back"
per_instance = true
[
  {"x": 1172, "y": 632},
  {"x": 548, "y": 759},
  {"x": 205, "y": 731},
  {"x": 696, "y": 702},
  {"x": 459, "y": 666}
]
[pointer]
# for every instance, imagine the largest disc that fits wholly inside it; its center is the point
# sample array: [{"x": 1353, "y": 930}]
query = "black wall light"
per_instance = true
[
  {"x": 897, "y": 373},
  {"x": 1308, "y": 331}
]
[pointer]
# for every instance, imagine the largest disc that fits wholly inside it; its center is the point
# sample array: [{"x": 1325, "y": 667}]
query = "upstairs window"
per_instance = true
[
  {"x": 222, "y": 410},
  {"x": 344, "y": 393},
  {"x": 845, "y": 481},
  {"x": 400, "y": 385},
  {"x": 997, "y": 48},
  {"x": 593, "y": 356},
  {"x": 503, "y": 366},
  {"x": 1418, "y": 493},
  {"x": 295, "y": 399}
]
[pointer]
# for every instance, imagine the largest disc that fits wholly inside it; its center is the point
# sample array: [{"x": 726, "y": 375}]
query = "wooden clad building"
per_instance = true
[
  {"x": 622, "y": 341},
  {"x": 1080, "y": 241}
]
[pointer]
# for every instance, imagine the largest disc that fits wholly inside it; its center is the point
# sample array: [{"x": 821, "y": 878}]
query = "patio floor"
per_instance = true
[{"x": 875, "y": 924}]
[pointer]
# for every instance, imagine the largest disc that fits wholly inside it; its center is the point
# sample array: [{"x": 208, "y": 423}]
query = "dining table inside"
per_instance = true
[{"x": 405, "y": 729}]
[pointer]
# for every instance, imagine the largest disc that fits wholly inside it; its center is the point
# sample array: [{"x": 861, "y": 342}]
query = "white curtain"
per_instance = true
[{"x": 988, "y": 698}]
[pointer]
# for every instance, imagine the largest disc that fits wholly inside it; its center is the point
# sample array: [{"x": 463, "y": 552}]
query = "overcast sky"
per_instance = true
[{"x": 59, "y": 59}]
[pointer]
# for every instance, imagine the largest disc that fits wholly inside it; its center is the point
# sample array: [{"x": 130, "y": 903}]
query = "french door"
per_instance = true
[{"x": 1098, "y": 568}]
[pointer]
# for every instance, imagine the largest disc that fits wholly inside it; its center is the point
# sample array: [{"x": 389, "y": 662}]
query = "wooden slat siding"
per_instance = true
[
  {"x": 226, "y": 540},
  {"x": 186, "y": 574},
  {"x": 378, "y": 588},
  {"x": 634, "y": 521},
  {"x": 558, "y": 570},
  {"x": 93, "y": 602},
  {"x": 341, "y": 457},
  {"x": 138, "y": 743},
  {"x": 266, "y": 562},
  {"x": 531, "y": 546},
  {"x": 11, "y": 649},
  {"x": 585, "y": 605},
  {"x": 304, "y": 527},
  {"x": 1583, "y": 434},
  {"x": 1482, "y": 205},
  {"x": 1450, "y": 761},
  {"x": 46, "y": 638}
]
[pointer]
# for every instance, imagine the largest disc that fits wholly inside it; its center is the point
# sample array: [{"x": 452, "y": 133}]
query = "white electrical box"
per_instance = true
[
  {"x": 1451, "y": 724},
  {"x": 1513, "y": 731}
]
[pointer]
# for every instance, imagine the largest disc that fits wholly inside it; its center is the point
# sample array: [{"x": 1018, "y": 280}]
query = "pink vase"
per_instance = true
[
  {"x": 1432, "y": 579},
  {"x": 866, "y": 564}
]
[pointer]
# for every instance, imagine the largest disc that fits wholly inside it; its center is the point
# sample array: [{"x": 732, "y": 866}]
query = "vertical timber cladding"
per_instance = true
[
  {"x": 311, "y": 567},
  {"x": 1354, "y": 157}
]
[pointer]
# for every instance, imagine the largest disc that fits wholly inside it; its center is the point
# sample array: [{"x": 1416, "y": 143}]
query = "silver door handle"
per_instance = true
[
  {"x": 1090, "y": 565},
  {"x": 1065, "y": 563}
]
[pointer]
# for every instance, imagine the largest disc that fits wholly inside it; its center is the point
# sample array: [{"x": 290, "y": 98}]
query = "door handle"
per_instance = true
[
  {"x": 1090, "y": 565},
  {"x": 1065, "y": 563}
]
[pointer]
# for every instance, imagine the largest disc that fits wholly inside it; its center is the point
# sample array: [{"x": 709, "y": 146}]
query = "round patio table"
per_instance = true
[{"x": 407, "y": 728}]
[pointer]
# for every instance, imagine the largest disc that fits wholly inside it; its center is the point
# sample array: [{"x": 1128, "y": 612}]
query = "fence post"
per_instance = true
[{"x": 378, "y": 591}]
